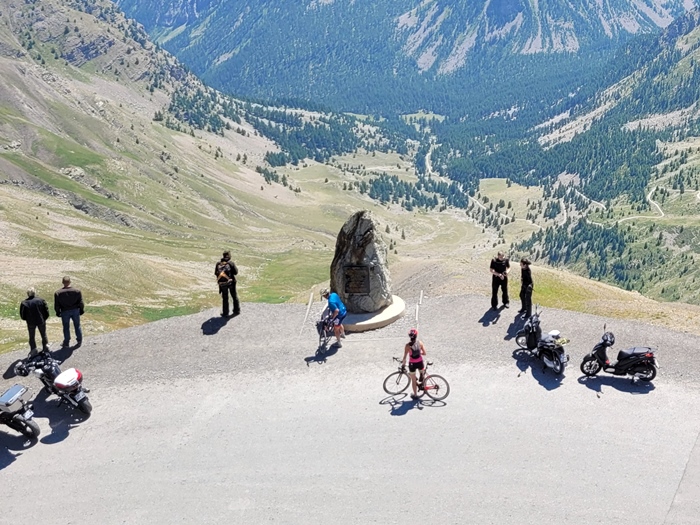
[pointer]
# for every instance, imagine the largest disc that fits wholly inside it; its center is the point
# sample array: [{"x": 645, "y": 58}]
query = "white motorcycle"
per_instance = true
[{"x": 67, "y": 385}]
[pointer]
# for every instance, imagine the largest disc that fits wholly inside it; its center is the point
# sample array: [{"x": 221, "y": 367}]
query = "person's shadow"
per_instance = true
[
  {"x": 213, "y": 325},
  {"x": 621, "y": 383},
  {"x": 524, "y": 360},
  {"x": 322, "y": 354},
  {"x": 63, "y": 353},
  {"x": 514, "y": 327},
  {"x": 491, "y": 316}
]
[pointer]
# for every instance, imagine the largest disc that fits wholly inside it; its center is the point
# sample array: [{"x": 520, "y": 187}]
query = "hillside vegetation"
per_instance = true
[{"x": 119, "y": 168}]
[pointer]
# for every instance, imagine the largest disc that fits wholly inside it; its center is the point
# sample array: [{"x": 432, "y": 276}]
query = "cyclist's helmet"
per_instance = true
[
  {"x": 412, "y": 333},
  {"x": 325, "y": 292},
  {"x": 609, "y": 338}
]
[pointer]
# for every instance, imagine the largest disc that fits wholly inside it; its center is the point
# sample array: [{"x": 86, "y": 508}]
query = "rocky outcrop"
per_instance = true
[
  {"x": 85, "y": 52},
  {"x": 359, "y": 271}
]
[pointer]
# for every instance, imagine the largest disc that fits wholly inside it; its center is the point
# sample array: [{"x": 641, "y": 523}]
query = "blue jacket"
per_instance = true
[{"x": 334, "y": 303}]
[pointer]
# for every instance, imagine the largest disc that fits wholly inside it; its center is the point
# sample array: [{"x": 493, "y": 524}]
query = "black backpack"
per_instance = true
[{"x": 222, "y": 274}]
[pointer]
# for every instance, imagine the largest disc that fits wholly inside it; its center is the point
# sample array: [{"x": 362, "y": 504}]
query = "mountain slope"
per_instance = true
[{"x": 333, "y": 51}]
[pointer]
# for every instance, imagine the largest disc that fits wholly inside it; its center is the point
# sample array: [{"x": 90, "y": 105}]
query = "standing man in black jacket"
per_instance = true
[
  {"x": 499, "y": 268},
  {"x": 225, "y": 272},
  {"x": 526, "y": 287},
  {"x": 68, "y": 303},
  {"x": 35, "y": 312}
]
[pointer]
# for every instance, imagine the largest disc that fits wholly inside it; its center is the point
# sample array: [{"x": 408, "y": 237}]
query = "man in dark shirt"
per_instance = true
[
  {"x": 35, "y": 312},
  {"x": 68, "y": 304},
  {"x": 225, "y": 272},
  {"x": 499, "y": 268},
  {"x": 526, "y": 287}
]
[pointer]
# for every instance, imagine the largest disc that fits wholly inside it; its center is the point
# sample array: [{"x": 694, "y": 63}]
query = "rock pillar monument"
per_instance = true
[{"x": 360, "y": 274}]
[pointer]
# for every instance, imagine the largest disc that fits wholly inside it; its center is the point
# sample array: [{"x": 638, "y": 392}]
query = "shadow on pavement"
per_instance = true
[
  {"x": 11, "y": 446},
  {"x": 10, "y": 372},
  {"x": 322, "y": 354},
  {"x": 401, "y": 404},
  {"x": 544, "y": 376},
  {"x": 64, "y": 353},
  {"x": 621, "y": 383},
  {"x": 213, "y": 325},
  {"x": 61, "y": 418},
  {"x": 514, "y": 328},
  {"x": 491, "y": 316}
]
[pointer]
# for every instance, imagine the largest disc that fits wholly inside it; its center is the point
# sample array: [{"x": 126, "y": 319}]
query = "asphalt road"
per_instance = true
[{"x": 200, "y": 421}]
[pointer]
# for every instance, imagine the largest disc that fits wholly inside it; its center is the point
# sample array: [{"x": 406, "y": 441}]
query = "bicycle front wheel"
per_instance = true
[
  {"x": 396, "y": 383},
  {"x": 436, "y": 387}
]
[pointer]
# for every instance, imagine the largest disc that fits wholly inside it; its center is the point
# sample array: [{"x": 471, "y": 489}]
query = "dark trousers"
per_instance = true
[
  {"x": 66, "y": 317},
  {"x": 496, "y": 283},
  {"x": 225, "y": 290},
  {"x": 32, "y": 337},
  {"x": 526, "y": 300}
]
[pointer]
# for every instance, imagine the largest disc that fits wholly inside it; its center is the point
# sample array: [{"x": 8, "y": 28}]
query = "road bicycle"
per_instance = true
[
  {"x": 435, "y": 386},
  {"x": 324, "y": 327}
]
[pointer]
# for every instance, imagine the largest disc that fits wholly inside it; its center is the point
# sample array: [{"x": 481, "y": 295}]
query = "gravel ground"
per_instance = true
[{"x": 200, "y": 421}]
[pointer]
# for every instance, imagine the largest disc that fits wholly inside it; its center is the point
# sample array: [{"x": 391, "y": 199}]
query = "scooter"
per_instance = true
[
  {"x": 550, "y": 348},
  {"x": 67, "y": 385},
  {"x": 638, "y": 362},
  {"x": 17, "y": 410}
]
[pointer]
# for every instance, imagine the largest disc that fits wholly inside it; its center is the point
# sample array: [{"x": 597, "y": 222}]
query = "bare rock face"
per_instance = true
[{"x": 359, "y": 272}]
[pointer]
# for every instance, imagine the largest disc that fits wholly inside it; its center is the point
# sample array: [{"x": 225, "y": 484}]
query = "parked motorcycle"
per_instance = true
[
  {"x": 67, "y": 385},
  {"x": 638, "y": 361},
  {"x": 16, "y": 411},
  {"x": 549, "y": 349}
]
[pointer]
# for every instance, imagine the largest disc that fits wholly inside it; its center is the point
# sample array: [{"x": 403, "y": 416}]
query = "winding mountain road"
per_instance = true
[{"x": 200, "y": 421}]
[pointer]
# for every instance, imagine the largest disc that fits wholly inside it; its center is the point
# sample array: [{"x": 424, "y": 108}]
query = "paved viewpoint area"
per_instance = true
[{"x": 197, "y": 420}]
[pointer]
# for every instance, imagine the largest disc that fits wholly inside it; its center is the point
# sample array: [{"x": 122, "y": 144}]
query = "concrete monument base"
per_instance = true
[{"x": 374, "y": 320}]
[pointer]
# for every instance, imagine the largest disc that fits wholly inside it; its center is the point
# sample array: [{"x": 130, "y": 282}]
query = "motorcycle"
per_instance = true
[
  {"x": 549, "y": 349},
  {"x": 67, "y": 385},
  {"x": 638, "y": 361},
  {"x": 16, "y": 411}
]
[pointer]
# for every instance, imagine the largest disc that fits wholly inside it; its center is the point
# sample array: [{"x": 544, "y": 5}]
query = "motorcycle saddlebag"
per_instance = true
[
  {"x": 11, "y": 400},
  {"x": 629, "y": 352}
]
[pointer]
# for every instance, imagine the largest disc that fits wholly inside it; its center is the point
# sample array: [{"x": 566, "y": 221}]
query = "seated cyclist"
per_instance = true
[
  {"x": 337, "y": 312},
  {"x": 414, "y": 352}
]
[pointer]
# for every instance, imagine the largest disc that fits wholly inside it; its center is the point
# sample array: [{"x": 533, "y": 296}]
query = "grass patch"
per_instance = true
[
  {"x": 66, "y": 152},
  {"x": 288, "y": 275}
]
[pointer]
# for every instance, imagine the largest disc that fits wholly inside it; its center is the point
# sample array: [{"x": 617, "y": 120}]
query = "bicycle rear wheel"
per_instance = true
[
  {"x": 396, "y": 383},
  {"x": 436, "y": 387}
]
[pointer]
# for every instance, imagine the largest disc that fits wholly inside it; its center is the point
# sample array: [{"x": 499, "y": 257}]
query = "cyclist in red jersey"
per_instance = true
[{"x": 413, "y": 353}]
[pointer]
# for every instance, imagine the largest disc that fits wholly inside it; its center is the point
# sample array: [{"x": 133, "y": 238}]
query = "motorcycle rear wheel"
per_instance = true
[
  {"x": 646, "y": 372},
  {"x": 557, "y": 365},
  {"x": 84, "y": 406},
  {"x": 590, "y": 366},
  {"x": 29, "y": 427}
]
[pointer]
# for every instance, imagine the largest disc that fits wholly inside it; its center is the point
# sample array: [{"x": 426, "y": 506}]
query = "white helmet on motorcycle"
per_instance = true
[{"x": 556, "y": 334}]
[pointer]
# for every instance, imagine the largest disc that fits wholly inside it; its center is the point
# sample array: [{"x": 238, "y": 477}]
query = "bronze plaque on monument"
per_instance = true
[{"x": 356, "y": 280}]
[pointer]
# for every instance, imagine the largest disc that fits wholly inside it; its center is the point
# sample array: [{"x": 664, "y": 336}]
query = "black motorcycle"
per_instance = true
[
  {"x": 68, "y": 385},
  {"x": 549, "y": 349},
  {"x": 16, "y": 411},
  {"x": 638, "y": 361}
]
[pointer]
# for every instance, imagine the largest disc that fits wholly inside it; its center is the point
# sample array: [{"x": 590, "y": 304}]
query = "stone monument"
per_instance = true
[{"x": 359, "y": 271}]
